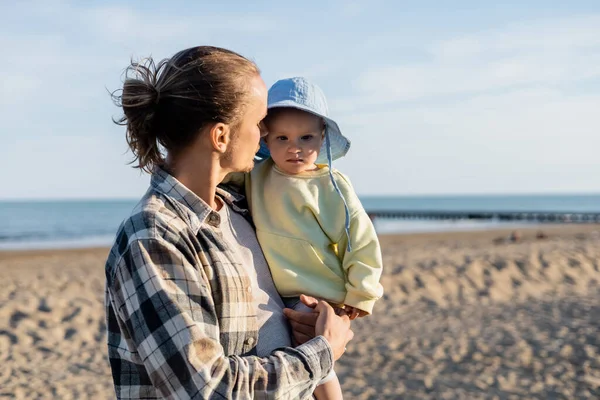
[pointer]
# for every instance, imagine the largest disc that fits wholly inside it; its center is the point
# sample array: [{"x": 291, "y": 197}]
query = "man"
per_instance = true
[{"x": 184, "y": 310}]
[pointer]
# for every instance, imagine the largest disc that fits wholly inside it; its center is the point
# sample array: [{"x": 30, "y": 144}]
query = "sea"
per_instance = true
[{"x": 91, "y": 223}]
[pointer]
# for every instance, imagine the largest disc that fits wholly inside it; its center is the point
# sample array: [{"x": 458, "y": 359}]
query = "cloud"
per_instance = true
[
  {"x": 512, "y": 109},
  {"x": 118, "y": 23},
  {"x": 54, "y": 106},
  {"x": 565, "y": 34},
  {"x": 516, "y": 142},
  {"x": 76, "y": 51},
  {"x": 547, "y": 53},
  {"x": 354, "y": 8}
]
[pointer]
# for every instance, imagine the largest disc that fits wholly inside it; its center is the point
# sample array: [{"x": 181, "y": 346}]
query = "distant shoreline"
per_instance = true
[
  {"x": 384, "y": 228},
  {"x": 79, "y": 223},
  {"x": 361, "y": 195},
  {"x": 528, "y": 233}
]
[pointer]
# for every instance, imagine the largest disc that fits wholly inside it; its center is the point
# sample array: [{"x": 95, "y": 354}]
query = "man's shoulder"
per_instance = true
[{"x": 154, "y": 218}]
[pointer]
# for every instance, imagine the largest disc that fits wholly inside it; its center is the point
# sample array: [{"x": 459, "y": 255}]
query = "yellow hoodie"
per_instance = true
[{"x": 300, "y": 222}]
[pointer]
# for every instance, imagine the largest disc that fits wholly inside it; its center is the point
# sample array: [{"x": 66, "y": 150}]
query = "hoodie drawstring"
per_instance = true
[{"x": 337, "y": 189}]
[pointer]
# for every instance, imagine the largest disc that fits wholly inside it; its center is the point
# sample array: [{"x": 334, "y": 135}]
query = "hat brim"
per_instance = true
[{"x": 339, "y": 143}]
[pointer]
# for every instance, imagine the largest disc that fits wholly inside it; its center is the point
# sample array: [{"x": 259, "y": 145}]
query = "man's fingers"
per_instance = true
[
  {"x": 323, "y": 306},
  {"x": 305, "y": 318},
  {"x": 346, "y": 318},
  {"x": 302, "y": 328},
  {"x": 349, "y": 335},
  {"x": 301, "y": 338},
  {"x": 309, "y": 301}
]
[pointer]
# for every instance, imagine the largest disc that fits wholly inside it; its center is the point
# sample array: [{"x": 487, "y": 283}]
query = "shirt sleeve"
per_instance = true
[
  {"x": 169, "y": 313},
  {"x": 363, "y": 265}
]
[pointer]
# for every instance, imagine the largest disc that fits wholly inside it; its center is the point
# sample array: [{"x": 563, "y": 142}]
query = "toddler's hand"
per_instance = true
[{"x": 354, "y": 312}]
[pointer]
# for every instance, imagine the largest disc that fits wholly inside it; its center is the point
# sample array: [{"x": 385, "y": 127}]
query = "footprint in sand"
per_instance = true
[
  {"x": 7, "y": 339},
  {"x": 69, "y": 333},
  {"x": 72, "y": 315},
  {"x": 43, "y": 307},
  {"x": 17, "y": 317}
]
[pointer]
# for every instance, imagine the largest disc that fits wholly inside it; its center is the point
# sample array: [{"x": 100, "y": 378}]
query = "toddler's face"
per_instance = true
[{"x": 294, "y": 140}]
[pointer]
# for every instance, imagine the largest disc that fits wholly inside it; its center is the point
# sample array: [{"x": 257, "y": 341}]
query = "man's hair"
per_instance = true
[{"x": 168, "y": 104}]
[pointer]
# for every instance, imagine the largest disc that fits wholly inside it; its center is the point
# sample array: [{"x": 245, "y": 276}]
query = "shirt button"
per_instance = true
[{"x": 250, "y": 341}]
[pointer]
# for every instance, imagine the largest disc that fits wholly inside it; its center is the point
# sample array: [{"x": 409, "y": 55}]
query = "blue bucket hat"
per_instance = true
[{"x": 303, "y": 95}]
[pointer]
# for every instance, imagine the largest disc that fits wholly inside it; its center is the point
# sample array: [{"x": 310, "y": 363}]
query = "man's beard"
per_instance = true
[{"x": 228, "y": 157}]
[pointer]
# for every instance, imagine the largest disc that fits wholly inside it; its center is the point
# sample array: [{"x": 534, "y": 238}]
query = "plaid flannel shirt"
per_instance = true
[{"x": 181, "y": 319}]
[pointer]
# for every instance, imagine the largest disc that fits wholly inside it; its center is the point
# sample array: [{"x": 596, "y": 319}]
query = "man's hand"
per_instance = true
[
  {"x": 303, "y": 323},
  {"x": 322, "y": 321},
  {"x": 334, "y": 328}
]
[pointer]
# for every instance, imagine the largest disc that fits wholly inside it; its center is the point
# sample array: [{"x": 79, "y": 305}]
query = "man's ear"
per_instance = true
[{"x": 220, "y": 137}]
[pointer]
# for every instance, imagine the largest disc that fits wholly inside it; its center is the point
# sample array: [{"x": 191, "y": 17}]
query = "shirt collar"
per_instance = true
[{"x": 191, "y": 208}]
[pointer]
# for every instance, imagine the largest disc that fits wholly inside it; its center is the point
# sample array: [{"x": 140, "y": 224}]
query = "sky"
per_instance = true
[{"x": 462, "y": 97}]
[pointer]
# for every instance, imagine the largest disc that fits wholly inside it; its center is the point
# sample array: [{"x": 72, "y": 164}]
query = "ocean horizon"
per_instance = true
[{"x": 77, "y": 223}]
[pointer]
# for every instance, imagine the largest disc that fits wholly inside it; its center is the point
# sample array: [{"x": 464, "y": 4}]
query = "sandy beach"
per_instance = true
[{"x": 468, "y": 315}]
